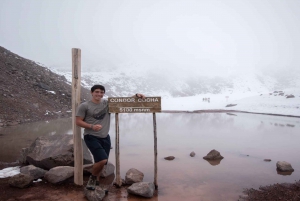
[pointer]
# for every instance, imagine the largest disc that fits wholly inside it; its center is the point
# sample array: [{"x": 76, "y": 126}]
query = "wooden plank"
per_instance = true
[
  {"x": 134, "y": 105},
  {"x": 76, "y": 90},
  {"x": 117, "y": 152},
  {"x": 155, "y": 151}
]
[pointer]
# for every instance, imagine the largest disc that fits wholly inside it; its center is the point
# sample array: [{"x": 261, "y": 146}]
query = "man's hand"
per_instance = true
[
  {"x": 96, "y": 127},
  {"x": 139, "y": 96},
  {"x": 81, "y": 123}
]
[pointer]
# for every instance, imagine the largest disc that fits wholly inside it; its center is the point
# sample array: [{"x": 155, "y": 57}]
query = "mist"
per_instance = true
[{"x": 191, "y": 37}]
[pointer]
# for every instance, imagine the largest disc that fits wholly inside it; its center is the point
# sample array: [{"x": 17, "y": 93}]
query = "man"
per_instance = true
[{"x": 94, "y": 117}]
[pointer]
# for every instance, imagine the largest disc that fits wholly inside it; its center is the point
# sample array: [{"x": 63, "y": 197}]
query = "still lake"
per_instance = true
[{"x": 244, "y": 140}]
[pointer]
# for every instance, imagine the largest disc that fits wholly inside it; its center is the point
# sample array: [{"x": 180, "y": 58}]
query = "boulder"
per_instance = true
[
  {"x": 133, "y": 176},
  {"x": 284, "y": 166},
  {"x": 213, "y": 155},
  {"x": 96, "y": 195},
  {"x": 59, "y": 174},
  {"x": 108, "y": 169},
  {"x": 87, "y": 169},
  {"x": 144, "y": 189},
  {"x": 192, "y": 154},
  {"x": 47, "y": 152},
  {"x": 20, "y": 180},
  {"x": 169, "y": 158},
  {"x": 33, "y": 171}
]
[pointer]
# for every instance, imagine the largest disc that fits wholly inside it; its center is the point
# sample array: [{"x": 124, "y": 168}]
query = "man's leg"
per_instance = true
[
  {"x": 97, "y": 168},
  {"x": 100, "y": 157}
]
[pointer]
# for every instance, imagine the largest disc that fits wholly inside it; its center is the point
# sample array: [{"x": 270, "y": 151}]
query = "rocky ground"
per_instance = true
[
  {"x": 30, "y": 92},
  {"x": 61, "y": 192},
  {"x": 68, "y": 191},
  {"x": 286, "y": 192}
]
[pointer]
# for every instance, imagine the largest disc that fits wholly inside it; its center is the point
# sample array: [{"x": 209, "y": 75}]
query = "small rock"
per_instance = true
[
  {"x": 284, "y": 166},
  {"x": 290, "y": 96},
  {"x": 170, "y": 158},
  {"x": 144, "y": 189},
  {"x": 267, "y": 160},
  {"x": 133, "y": 176},
  {"x": 192, "y": 154},
  {"x": 231, "y": 105},
  {"x": 20, "y": 180},
  {"x": 107, "y": 170},
  {"x": 33, "y": 171},
  {"x": 96, "y": 195},
  {"x": 59, "y": 174},
  {"x": 213, "y": 155}
]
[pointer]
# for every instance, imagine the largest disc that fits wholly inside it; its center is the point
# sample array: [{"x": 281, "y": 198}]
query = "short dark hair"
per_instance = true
[{"x": 97, "y": 86}]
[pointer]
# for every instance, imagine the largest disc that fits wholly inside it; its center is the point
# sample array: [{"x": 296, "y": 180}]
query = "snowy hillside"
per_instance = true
[
  {"x": 123, "y": 82},
  {"x": 247, "y": 91}
]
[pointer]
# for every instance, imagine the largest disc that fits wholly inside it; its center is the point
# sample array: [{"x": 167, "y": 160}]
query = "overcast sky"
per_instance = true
[{"x": 182, "y": 35}]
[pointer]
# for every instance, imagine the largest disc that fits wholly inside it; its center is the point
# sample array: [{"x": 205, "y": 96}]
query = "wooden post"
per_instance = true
[
  {"x": 76, "y": 89},
  {"x": 117, "y": 152},
  {"x": 155, "y": 151}
]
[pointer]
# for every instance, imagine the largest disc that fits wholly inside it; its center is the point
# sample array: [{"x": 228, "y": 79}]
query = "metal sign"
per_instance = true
[{"x": 134, "y": 105}]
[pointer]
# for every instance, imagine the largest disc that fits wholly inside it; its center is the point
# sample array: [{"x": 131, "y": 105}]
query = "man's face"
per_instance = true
[{"x": 98, "y": 94}]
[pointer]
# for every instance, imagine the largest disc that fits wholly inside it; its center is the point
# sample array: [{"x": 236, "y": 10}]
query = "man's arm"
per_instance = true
[{"x": 81, "y": 123}]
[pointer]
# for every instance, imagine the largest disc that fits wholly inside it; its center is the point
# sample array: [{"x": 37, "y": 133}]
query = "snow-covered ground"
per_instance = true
[
  {"x": 9, "y": 172},
  {"x": 250, "y": 91},
  {"x": 249, "y": 102}
]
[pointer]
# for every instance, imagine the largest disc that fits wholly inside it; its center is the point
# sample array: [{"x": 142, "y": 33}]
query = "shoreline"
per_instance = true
[
  {"x": 225, "y": 111},
  {"x": 10, "y": 123}
]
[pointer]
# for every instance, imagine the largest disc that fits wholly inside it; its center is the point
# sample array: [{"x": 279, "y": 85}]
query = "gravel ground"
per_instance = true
[{"x": 286, "y": 192}]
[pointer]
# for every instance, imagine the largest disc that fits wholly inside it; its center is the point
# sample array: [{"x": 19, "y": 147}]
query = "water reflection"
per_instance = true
[
  {"x": 284, "y": 173},
  {"x": 214, "y": 162},
  {"x": 244, "y": 140},
  {"x": 14, "y": 138}
]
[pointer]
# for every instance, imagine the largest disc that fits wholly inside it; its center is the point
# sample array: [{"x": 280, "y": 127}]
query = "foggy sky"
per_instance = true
[{"x": 177, "y": 35}]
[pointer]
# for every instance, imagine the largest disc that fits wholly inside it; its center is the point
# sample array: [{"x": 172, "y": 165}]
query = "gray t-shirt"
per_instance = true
[{"x": 93, "y": 113}]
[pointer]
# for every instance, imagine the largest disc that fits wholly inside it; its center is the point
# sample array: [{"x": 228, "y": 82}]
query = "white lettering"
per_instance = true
[
  {"x": 141, "y": 110},
  {"x": 148, "y": 100},
  {"x": 125, "y": 109},
  {"x": 122, "y": 100}
]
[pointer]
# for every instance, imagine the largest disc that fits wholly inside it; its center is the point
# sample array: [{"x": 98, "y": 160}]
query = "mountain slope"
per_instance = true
[{"x": 30, "y": 92}]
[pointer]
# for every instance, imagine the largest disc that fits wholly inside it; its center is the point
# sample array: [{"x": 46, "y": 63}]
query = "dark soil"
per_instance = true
[{"x": 282, "y": 192}]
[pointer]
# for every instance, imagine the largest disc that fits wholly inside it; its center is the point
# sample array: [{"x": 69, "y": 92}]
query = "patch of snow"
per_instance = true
[
  {"x": 9, "y": 172},
  {"x": 52, "y": 92}
]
